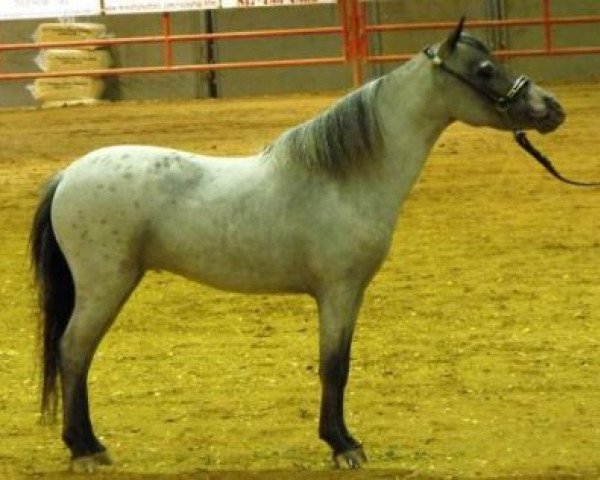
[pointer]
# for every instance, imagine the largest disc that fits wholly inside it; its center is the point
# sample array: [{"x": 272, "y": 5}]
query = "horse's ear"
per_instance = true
[{"x": 450, "y": 43}]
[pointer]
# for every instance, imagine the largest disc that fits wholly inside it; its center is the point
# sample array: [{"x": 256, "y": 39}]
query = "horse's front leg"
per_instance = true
[{"x": 338, "y": 309}]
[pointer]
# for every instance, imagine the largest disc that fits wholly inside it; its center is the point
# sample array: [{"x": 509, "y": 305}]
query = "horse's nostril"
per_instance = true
[
  {"x": 554, "y": 108},
  {"x": 551, "y": 102}
]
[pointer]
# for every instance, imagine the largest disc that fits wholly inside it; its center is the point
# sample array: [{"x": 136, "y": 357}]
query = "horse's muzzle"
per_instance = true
[{"x": 550, "y": 118}]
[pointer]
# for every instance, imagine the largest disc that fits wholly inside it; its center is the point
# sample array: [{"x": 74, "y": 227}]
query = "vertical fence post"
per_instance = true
[
  {"x": 167, "y": 42},
  {"x": 347, "y": 10},
  {"x": 343, "y": 19},
  {"x": 363, "y": 35},
  {"x": 354, "y": 25},
  {"x": 547, "y": 19}
]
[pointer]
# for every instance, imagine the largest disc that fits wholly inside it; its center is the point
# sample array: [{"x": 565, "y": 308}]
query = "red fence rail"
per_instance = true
[
  {"x": 354, "y": 31},
  {"x": 547, "y": 22}
]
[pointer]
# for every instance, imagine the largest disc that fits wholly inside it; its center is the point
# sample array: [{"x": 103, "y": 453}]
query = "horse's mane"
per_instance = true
[{"x": 337, "y": 140}]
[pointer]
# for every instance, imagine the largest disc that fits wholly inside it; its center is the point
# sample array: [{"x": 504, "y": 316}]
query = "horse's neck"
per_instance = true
[{"x": 412, "y": 116}]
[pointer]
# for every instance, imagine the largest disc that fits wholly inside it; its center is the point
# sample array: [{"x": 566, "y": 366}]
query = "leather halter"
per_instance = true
[{"x": 502, "y": 101}]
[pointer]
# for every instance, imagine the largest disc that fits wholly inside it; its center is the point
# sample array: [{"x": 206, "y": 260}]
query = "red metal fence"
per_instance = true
[{"x": 354, "y": 31}]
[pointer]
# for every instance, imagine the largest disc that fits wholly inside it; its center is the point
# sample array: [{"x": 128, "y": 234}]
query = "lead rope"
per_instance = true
[{"x": 525, "y": 144}]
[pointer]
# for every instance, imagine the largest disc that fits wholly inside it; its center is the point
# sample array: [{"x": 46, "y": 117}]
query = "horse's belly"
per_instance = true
[
  {"x": 246, "y": 281},
  {"x": 250, "y": 260},
  {"x": 234, "y": 272}
]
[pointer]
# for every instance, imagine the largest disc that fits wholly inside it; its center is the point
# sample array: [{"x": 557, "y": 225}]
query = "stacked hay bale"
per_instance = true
[{"x": 72, "y": 90}]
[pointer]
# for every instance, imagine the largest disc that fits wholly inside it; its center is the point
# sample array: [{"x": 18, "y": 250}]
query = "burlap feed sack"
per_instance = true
[
  {"x": 65, "y": 60},
  {"x": 69, "y": 32},
  {"x": 67, "y": 88}
]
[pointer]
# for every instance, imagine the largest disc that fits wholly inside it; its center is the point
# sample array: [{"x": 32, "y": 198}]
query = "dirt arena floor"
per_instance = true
[{"x": 477, "y": 352}]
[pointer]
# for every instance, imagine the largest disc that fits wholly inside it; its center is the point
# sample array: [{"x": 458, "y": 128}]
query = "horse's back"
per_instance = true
[{"x": 114, "y": 184}]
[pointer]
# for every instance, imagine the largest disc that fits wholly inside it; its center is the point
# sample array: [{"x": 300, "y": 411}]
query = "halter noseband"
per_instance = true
[{"x": 502, "y": 102}]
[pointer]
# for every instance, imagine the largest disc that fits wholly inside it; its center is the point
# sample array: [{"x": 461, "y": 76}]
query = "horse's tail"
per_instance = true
[{"x": 56, "y": 296}]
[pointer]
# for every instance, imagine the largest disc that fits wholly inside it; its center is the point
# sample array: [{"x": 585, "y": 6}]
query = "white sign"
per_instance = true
[
  {"x": 269, "y": 3},
  {"x": 113, "y": 7},
  {"x": 24, "y": 9},
  {"x": 21, "y": 9}
]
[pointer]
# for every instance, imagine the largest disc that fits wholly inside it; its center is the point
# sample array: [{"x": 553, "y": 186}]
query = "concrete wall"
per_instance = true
[
  {"x": 565, "y": 68},
  {"x": 291, "y": 79},
  {"x": 157, "y": 86},
  {"x": 129, "y": 87},
  {"x": 14, "y": 93},
  {"x": 310, "y": 78},
  {"x": 422, "y": 11}
]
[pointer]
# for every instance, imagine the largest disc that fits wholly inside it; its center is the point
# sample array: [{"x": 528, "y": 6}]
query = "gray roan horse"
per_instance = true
[{"x": 313, "y": 214}]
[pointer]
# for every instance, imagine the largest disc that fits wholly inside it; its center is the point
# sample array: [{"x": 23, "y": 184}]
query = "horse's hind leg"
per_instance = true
[{"x": 96, "y": 307}]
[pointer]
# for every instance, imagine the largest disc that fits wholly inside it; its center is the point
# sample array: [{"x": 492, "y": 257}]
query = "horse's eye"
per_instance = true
[{"x": 486, "y": 69}]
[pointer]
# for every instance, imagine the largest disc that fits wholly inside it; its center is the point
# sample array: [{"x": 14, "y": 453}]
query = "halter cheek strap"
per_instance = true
[{"x": 502, "y": 102}]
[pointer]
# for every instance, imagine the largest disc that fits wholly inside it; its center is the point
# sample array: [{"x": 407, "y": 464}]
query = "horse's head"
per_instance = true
[{"x": 480, "y": 91}]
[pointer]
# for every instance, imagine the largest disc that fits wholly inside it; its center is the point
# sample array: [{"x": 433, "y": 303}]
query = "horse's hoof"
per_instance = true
[
  {"x": 103, "y": 458},
  {"x": 350, "y": 459},
  {"x": 85, "y": 464},
  {"x": 89, "y": 463}
]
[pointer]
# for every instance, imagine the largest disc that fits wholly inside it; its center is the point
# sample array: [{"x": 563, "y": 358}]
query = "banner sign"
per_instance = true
[
  {"x": 115, "y": 7},
  {"x": 269, "y": 3},
  {"x": 23, "y": 9},
  {"x": 29, "y": 9}
]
